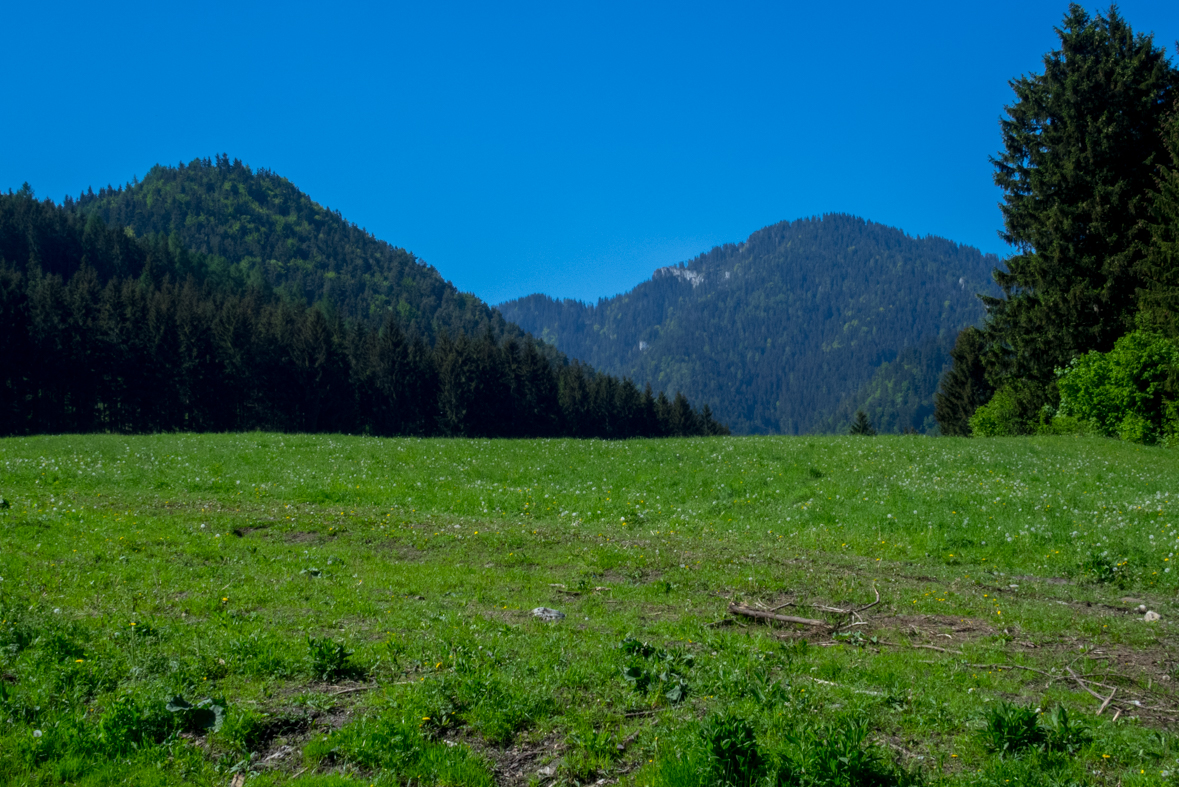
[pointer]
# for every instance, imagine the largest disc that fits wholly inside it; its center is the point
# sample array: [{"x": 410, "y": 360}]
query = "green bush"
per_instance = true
[
  {"x": 1126, "y": 392},
  {"x": 1067, "y": 424},
  {"x": 998, "y": 417},
  {"x": 1018, "y": 407}
]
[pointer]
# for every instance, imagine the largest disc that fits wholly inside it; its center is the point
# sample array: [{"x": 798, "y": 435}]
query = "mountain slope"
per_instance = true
[
  {"x": 102, "y": 331},
  {"x": 258, "y": 229},
  {"x": 785, "y": 332}
]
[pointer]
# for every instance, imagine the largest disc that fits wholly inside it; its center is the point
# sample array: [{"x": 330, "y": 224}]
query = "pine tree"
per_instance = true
[
  {"x": 964, "y": 386},
  {"x": 1080, "y": 148},
  {"x": 862, "y": 426},
  {"x": 1159, "y": 300}
]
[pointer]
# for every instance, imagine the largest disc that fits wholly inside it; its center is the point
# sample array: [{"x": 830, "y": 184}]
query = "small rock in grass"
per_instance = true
[
  {"x": 1151, "y": 617},
  {"x": 546, "y": 614}
]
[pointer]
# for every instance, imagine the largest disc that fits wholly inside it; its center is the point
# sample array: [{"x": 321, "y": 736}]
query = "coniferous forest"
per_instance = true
[
  {"x": 1083, "y": 335},
  {"x": 102, "y": 329},
  {"x": 793, "y": 330}
]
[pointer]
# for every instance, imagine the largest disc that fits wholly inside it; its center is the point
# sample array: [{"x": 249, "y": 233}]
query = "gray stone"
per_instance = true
[{"x": 548, "y": 615}]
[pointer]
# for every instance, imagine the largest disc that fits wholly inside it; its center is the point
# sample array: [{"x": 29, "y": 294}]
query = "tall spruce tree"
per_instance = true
[
  {"x": 1081, "y": 145},
  {"x": 964, "y": 387},
  {"x": 1159, "y": 299}
]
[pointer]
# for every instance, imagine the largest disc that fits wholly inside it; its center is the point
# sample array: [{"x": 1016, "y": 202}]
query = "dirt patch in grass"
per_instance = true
[
  {"x": 519, "y": 764},
  {"x": 402, "y": 552},
  {"x": 948, "y": 628},
  {"x": 280, "y": 740}
]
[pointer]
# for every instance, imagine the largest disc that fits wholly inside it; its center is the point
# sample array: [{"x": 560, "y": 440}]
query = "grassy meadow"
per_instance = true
[{"x": 263, "y": 609}]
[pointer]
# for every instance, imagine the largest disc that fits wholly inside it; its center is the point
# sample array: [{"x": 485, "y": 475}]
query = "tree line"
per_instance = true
[
  {"x": 1090, "y": 175},
  {"x": 103, "y": 331}
]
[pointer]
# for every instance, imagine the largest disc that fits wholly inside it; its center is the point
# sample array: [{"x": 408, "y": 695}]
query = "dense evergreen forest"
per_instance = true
[
  {"x": 104, "y": 329},
  {"x": 792, "y": 331},
  {"x": 1089, "y": 169},
  {"x": 255, "y": 229}
]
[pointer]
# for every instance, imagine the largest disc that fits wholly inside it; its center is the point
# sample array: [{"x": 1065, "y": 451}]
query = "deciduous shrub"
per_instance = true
[{"x": 1128, "y": 392}]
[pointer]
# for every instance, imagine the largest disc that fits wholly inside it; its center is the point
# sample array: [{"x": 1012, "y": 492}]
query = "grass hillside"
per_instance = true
[
  {"x": 261, "y": 609},
  {"x": 791, "y": 331}
]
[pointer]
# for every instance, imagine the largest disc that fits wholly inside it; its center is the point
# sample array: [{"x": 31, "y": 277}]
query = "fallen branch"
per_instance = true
[
  {"x": 1014, "y": 666},
  {"x": 942, "y": 650},
  {"x": 855, "y": 613},
  {"x": 748, "y": 612},
  {"x": 869, "y": 606},
  {"x": 354, "y": 689},
  {"x": 1105, "y": 704},
  {"x": 1081, "y": 682}
]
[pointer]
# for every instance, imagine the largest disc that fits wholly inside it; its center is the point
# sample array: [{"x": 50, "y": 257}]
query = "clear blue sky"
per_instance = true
[{"x": 563, "y": 148}]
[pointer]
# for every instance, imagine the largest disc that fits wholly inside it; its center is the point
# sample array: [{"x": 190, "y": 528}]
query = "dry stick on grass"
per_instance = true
[
  {"x": 1014, "y": 666},
  {"x": 1105, "y": 704},
  {"x": 869, "y": 606},
  {"x": 855, "y": 613},
  {"x": 935, "y": 647},
  {"x": 1084, "y": 685},
  {"x": 738, "y": 609}
]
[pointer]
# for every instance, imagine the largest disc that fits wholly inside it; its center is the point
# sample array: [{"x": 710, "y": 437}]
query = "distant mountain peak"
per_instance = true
[{"x": 834, "y": 313}]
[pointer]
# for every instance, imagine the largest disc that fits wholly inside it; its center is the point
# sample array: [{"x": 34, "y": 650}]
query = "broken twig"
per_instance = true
[{"x": 1105, "y": 704}]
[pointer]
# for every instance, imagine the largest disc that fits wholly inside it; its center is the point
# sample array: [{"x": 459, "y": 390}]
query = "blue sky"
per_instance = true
[{"x": 562, "y": 148}]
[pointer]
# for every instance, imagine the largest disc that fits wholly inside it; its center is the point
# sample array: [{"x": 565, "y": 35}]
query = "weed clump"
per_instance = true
[
  {"x": 840, "y": 755},
  {"x": 650, "y": 668},
  {"x": 734, "y": 759},
  {"x": 396, "y": 742},
  {"x": 330, "y": 661},
  {"x": 1105, "y": 570},
  {"x": 1011, "y": 729}
]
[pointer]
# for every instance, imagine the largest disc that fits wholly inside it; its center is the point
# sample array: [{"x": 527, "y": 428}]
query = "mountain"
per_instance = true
[
  {"x": 789, "y": 332},
  {"x": 255, "y": 228},
  {"x": 104, "y": 331}
]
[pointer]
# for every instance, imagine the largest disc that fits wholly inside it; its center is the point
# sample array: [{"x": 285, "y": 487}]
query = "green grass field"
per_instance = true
[{"x": 261, "y": 609}]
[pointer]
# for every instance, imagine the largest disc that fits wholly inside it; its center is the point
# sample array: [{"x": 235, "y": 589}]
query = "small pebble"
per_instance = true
[{"x": 1151, "y": 617}]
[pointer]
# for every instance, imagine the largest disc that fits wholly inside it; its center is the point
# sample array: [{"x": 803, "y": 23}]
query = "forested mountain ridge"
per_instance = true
[
  {"x": 790, "y": 331},
  {"x": 104, "y": 331},
  {"x": 255, "y": 228}
]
